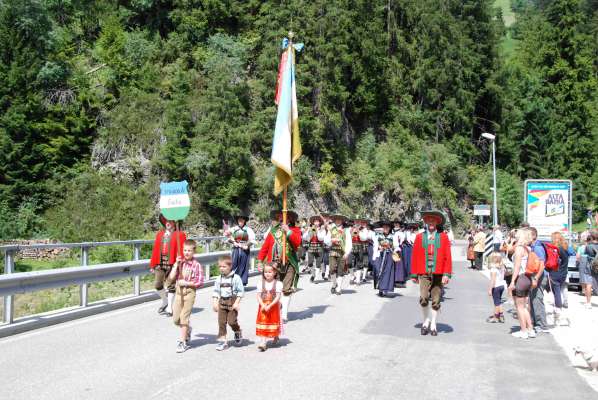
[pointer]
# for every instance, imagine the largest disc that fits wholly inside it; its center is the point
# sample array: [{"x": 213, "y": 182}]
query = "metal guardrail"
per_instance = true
[{"x": 12, "y": 283}]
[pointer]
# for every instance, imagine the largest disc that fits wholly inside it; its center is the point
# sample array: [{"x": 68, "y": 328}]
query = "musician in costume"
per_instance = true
[
  {"x": 431, "y": 267},
  {"x": 168, "y": 245},
  {"x": 315, "y": 236},
  {"x": 339, "y": 240},
  {"x": 384, "y": 264},
  {"x": 398, "y": 241},
  {"x": 407, "y": 247},
  {"x": 242, "y": 238},
  {"x": 271, "y": 251},
  {"x": 326, "y": 251},
  {"x": 302, "y": 250},
  {"x": 360, "y": 236}
]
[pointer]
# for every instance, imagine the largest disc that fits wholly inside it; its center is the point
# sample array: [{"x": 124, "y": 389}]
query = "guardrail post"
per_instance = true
[
  {"x": 9, "y": 305},
  {"x": 207, "y": 246},
  {"x": 83, "y": 288},
  {"x": 136, "y": 278}
]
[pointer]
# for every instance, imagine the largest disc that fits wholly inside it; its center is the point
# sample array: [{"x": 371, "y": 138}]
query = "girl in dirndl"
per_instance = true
[{"x": 268, "y": 324}]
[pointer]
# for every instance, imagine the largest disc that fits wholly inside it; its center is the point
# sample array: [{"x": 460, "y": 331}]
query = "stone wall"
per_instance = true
[{"x": 38, "y": 254}]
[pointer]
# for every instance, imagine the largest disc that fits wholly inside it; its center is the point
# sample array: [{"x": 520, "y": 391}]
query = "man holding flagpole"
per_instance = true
[{"x": 286, "y": 149}]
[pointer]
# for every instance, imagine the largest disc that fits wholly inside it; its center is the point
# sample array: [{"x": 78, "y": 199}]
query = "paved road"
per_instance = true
[{"x": 354, "y": 346}]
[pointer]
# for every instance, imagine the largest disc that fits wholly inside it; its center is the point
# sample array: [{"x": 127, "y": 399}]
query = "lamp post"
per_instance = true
[{"x": 492, "y": 138}]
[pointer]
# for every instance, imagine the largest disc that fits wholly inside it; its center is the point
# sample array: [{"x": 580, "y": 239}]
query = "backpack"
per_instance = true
[
  {"x": 533, "y": 263},
  {"x": 552, "y": 257},
  {"x": 592, "y": 258}
]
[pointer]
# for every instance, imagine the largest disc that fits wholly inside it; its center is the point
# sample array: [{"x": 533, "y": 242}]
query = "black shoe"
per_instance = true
[
  {"x": 425, "y": 330},
  {"x": 333, "y": 290},
  {"x": 380, "y": 294},
  {"x": 337, "y": 293},
  {"x": 168, "y": 314},
  {"x": 434, "y": 332},
  {"x": 162, "y": 309},
  {"x": 312, "y": 279}
]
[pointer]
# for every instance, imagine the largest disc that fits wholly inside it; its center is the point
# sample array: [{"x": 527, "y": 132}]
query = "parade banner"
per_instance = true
[
  {"x": 286, "y": 146},
  {"x": 174, "y": 200},
  {"x": 548, "y": 206}
]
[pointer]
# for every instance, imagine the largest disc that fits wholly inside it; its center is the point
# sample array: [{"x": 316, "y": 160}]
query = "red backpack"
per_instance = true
[{"x": 552, "y": 257}]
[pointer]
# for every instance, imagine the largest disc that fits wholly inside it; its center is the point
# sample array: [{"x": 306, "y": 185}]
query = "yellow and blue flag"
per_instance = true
[{"x": 286, "y": 146}]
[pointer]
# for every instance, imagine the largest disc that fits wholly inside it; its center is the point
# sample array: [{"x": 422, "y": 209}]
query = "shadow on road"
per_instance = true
[
  {"x": 440, "y": 327},
  {"x": 307, "y": 313}
]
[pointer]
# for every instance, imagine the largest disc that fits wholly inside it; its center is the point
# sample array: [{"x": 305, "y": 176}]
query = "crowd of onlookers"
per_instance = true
[{"x": 529, "y": 268}]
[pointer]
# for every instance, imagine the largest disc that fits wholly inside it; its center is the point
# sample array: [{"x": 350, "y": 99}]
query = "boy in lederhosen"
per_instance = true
[
  {"x": 339, "y": 240},
  {"x": 315, "y": 236},
  {"x": 226, "y": 301},
  {"x": 168, "y": 245}
]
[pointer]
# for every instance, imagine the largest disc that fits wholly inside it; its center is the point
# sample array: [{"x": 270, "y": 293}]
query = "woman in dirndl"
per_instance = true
[{"x": 242, "y": 238}]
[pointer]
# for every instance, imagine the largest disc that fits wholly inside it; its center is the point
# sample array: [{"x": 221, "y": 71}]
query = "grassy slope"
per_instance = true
[{"x": 508, "y": 44}]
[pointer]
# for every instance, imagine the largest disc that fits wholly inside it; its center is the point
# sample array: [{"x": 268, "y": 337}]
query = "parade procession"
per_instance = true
[{"x": 330, "y": 248}]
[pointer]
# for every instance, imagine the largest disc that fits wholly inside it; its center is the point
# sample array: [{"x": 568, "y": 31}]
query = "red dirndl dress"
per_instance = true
[{"x": 267, "y": 323}]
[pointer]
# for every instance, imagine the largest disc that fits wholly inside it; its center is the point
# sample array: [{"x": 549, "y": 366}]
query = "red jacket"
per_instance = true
[
  {"x": 266, "y": 251},
  {"x": 177, "y": 238},
  {"x": 444, "y": 261}
]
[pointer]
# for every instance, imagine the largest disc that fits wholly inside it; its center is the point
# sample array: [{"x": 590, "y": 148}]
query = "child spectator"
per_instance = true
[
  {"x": 497, "y": 286},
  {"x": 228, "y": 291},
  {"x": 267, "y": 324},
  {"x": 187, "y": 275}
]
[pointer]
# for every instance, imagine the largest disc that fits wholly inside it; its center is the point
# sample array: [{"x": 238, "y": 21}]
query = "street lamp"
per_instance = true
[{"x": 492, "y": 138}]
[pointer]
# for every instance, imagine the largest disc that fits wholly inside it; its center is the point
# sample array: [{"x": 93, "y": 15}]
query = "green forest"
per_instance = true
[{"x": 101, "y": 100}]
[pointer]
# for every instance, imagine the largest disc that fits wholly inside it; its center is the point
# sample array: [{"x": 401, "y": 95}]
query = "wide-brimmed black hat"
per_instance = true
[
  {"x": 383, "y": 222},
  {"x": 291, "y": 215},
  {"x": 245, "y": 216},
  {"x": 334, "y": 217},
  {"x": 316, "y": 217},
  {"x": 437, "y": 215}
]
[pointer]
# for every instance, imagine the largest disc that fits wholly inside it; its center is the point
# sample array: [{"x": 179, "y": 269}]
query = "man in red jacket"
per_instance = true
[
  {"x": 431, "y": 266},
  {"x": 271, "y": 251},
  {"x": 168, "y": 245}
]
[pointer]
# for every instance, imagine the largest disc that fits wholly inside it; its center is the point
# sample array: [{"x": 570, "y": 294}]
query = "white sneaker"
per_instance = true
[
  {"x": 520, "y": 335},
  {"x": 531, "y": 334},
  {"x": 589, "y": 306}
]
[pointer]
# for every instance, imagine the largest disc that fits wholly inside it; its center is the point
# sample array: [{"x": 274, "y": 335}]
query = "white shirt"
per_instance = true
[
  {"x": 268, "y": 286},
  {"x": 397, "y": 240},
  {"x": 348, "y": 242},
  {"x": 320, "y": 233},
  {"x": 500, "y": 277},
  {"x": 498, "y": 237}
]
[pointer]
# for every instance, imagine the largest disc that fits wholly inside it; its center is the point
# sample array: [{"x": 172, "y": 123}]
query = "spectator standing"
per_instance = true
[
  {"x": 585, "y": 271},
  {"x": 479, "y": 244},
  {"x": 521, "y": 284},
  {"x": 558, "y": 277},
  {"x": 470, "y": 252},
  {"x": 497, "y": 238},
  {"x": 536, "y": 299},
  {"x": 591, "y": 252}
]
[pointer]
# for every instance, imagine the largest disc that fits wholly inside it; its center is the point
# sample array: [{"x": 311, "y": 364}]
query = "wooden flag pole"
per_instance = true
[{"x": 284, "y": 221}]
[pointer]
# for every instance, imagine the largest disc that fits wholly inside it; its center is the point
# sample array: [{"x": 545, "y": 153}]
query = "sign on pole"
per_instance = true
[
  {"x": 548, "y": 206},
  {"x": 481, "y": 210},
  {"x": 174, "y": 200}
]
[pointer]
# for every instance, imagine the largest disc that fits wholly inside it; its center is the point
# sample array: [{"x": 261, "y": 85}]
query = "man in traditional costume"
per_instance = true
[
  {"x": 168, "y": 245},
  {"x": 242, "y": 238},
  {"x": 326, "y": 251},
  {"x": 359, "y": 237},
  {"x": 339, "y": 240},
  {"x": 384, "y": 264},
  {"x": 408, "y": 247},
  {"x": 315, "y": 236},
  {"x": 397, "y": 241},
  {"x": 431, "y": 266},
  {"x": 271, "y": 251}
]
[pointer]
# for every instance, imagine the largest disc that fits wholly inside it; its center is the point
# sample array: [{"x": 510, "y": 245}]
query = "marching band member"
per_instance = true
[
  {"x": 315, "y": 236},
  {"x": 384, "y": 269},
  {"x": 339, "y": 240},
  {"x": 431, "y": 266},
  {"x": 242, "y": 238}
]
